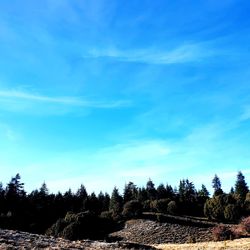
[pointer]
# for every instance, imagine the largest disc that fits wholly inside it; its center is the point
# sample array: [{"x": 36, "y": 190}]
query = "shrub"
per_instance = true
[
  {"x": 106, "y": 215},
  {"x": 214, "y": 208},
  {"x": 56, "y": 229},
  {"x": 231, "y": 213},
  {"x": 172, "y": 207},
  {"x": 72, "y": 231},
  {"x": 221, "y": 232},
  {"x": 245, "y": 223},
  {"x": 132, "y": 209},
  {"x": 247, "y": 204},
  {"x": 146, "y": 205},
  {"x": 237, "y": 231},
  {"x": 161, "y": 205},
  {"x": 70, "y": 217}
]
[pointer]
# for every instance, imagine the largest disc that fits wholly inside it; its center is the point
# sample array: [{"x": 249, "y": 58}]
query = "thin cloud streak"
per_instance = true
[
  {"x": 71, "y": 101},
  {"x": 182, "y": 54}
]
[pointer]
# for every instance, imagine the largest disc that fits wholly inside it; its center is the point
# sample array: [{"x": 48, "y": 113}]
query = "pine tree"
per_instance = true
[
  {"x": 44, "y": 190},
  {"x": 161, "y": 192},
  {"x": 203, "y": 192},
  {"x": 151, "y": 191},
  {"x": 130, "y": 192},
  {"x": 15, "y": 187},
  {"x": 241, "y": 187},
  {"x": 81, "y": 192},
  {"x": 170, "y": 191},
  {"x": 216, "y": 184},
  {"x": 116, "y": 203}
]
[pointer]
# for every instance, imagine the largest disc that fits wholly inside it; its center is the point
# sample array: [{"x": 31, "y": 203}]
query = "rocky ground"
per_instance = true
[
  {"x": 137, "y": 234},
  {"x": 152, "y": 232},
  {"x": 10, "y": 239}
]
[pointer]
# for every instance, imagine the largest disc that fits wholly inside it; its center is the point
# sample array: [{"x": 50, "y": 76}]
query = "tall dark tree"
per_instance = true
[
  {"x": 187, "y": 192},
  {"x": 203, "y": 192},
  {"x": 81, "y": 196},
  {"x": 130, "y": 192},
  {"x": 151, "y": 191},
  {"x": 241, "y": 187},
  {"x": 162, "y": 192},
  {"x": 170, "y": 191},
  {"x": 142, "y": 194},
  {"x": 104, "y": 200},
  {"x": 216, "y": 184},
  {"x": 2, "y": 203},
  {"x": 81, "y": 192},
  {"x": 44, "y": 190},
  {"x": 15, "y": 187},
  {"x": 116, "y": 202}
]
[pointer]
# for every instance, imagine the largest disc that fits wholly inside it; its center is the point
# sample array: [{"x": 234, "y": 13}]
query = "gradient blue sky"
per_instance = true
[{"x": 105, "y": 92}]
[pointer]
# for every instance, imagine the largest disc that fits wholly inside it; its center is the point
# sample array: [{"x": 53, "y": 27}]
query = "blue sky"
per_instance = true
[{"x": 105, "y": 92}]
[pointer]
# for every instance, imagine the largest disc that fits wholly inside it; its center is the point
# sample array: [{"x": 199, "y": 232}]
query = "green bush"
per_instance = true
[
  {"x": 57, "y": 228},
  {"x": 231, "y": 213},
  {"x": 106, "y": 215},
  {"x": 222, "y": 208},
  {"x": 132, "y": 209},
  {"x": 172, "y": 207},
  {"x": 70, "y": 217},
  {"x": 72, "y": 231},
  {"x": 146, "y": 205},
  {"x": 214, "y": 208},
  {"x": 161, "y": 205}
]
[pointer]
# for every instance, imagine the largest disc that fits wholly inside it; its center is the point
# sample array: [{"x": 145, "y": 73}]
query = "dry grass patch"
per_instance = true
[{"x": 239, "y": 244}]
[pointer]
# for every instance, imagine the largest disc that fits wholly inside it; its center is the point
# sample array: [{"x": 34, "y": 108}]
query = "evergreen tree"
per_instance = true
[
  {"x": 2, "y": 201},
  {"x": 161, "y": 192},
  {"x": 81, "y": 196},
  {"x": 104, "y": 200},
  {"x": 187, "y": 192},
  {"x": 216, "y": 184},
  {"x": 44, "y": 190},
  {"x": 142, "y": 194},
  {"x": 116, "y": 202},
  {"x": 232, "y": 191},
  {"x": 241, "y": 187},
  {"x": 130, "y": 192},
  {"x": 203, "y": 192},
  {"x": 81, "y": 192},
  {"x": 170, "y": 191},
  {"x": 93, "y": 204},
  {"x": 15, "y": 187},
  {"x": 151, "y": 191}
]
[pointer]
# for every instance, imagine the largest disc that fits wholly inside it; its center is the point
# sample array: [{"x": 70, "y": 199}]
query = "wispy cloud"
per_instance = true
[
  {"x": 7, "y": 132},
  {"x": 17, "y": 96},
  {"x": 182, "y": 54},
  {"x": 115, "y": 165},
  {"x": 246, "y": 114}
]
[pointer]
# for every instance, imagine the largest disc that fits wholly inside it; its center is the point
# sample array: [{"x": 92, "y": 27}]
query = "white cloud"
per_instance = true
[
  {"x": 246, "y": 114},
  {"x": 7, "y": 132},
  {"x": 19, "y": 100},
  {"x": 104, "y": 168},
  {"x": 182, "y": 54}
]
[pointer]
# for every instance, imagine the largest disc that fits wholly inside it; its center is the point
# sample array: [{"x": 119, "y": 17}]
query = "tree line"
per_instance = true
[{"x": 76, "y": 215}]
